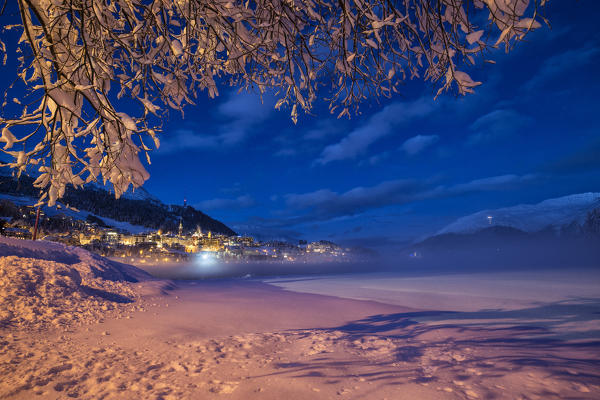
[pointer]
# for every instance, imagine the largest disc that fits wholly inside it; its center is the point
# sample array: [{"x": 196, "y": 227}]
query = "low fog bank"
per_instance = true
[
  {"x": 498, "y": 252},
  {"x": 451, "y": 254},
  {"x": 200, "y": 269}
]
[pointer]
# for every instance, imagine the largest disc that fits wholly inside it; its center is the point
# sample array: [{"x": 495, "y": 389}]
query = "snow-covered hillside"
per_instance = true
[
  {"x": 75, "y": 214},
  {"x": 132, "y": 194},
  {"x": 555, "y": 213}
]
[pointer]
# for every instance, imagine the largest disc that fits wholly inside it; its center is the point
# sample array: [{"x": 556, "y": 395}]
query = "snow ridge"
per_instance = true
[
  {"x": 132, "y": 194},
  {"x": 139, "y": 194}
]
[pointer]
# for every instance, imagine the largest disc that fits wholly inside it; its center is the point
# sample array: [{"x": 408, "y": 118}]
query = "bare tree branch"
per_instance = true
[{"x": 163, "y": 53}]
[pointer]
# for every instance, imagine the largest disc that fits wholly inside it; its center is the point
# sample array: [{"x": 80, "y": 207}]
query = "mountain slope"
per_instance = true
[
  {"x": 552, "y": 213},
  {"x": 131, "y": 194},
  {"x": 561, "y": 232}
]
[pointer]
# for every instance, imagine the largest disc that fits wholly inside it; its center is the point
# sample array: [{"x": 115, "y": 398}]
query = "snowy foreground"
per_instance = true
[{"x": 74, "y": 325}]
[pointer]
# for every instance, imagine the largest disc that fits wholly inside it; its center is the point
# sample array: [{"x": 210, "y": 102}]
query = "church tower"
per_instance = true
[{"x": 181, "y": 217}]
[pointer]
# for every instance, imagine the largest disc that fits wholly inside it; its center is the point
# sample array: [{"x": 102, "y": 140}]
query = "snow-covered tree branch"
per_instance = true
[{"x": 81, "y": 60}]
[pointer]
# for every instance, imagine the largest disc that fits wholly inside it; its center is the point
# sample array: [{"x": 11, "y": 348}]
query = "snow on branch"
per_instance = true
[{"x": 81, "y": 60}]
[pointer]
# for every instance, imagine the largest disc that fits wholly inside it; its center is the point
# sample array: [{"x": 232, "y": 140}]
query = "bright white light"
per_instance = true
[{"x": 206, "y": 259}]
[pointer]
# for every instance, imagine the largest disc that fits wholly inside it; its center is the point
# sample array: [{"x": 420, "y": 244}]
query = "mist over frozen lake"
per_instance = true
[
  {"x": 466, "y": 289},
  {"x": 455, "y": 292},
  {"x": 214, "y": 269}
]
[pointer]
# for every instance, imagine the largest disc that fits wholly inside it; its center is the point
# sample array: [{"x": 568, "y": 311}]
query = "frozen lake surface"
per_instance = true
[
  {"x": 455, "y": 292},
  {"x": 440, "y": 289},
  {"x": 552, "y": 305},
  {"x": 548, "y": 304}
]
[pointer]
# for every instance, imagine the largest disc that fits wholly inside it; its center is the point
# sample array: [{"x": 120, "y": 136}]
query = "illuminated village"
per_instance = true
[{"x": 158, "y": 247}]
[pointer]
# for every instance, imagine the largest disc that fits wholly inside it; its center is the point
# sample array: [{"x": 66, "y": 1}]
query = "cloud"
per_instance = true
[
  {"x": 495, "y": 125},
  {"x": 244, "y": 201},
  {"x": 325, "y": 204},
  {"x": 240, "y": 114},
  {"x": 323, "y": 129},
  {"x": 376, "y": 127},
  {"x": 584, "y": 160},
  {"x": 242, "y": 111},
  {"x": 417, "y": 144},
  {"x": 184, "y": 139},
  {"x": 500, "y": 182},
  {"x": 377, "y": 158},
  {"x": 308, "y": 212},
  {"x": 267, "y": 229},
  {"x": 246, "y": 106},
  {"x": 561, "y": 64},
  {"x": 411, "y": 147}
]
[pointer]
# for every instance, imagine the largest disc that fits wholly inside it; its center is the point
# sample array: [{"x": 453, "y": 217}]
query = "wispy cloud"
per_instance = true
[
  {"x": 243, "y": 111},
  {"x": 376, "y": 127},
  {"x": 561, "y": 64},
  {"x": 497, "y": 124},
  {"x": 417, "y": 144},
  {"x": 377, "y": 158},
  {"x": 326, "y": 204},
  {"x": 317, "y": 210},
  {"x": 500, "y": 182},
  {"x": 236, "y": 118},
  {"x": 185, "y": 139},
  {"x": 323, "y": 129}
]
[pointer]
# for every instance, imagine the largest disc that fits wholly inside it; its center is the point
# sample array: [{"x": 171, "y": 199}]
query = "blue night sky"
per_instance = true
[{"x": 408, "y": 165}]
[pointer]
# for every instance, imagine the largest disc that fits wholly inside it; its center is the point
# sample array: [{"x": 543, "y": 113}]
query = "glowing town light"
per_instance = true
[
  {"x": 206, "y": 260},
  {"x": 490, "y": 218}
]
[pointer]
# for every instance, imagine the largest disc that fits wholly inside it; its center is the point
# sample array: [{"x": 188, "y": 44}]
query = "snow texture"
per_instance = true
[
  {"x": 240, "y": 340},
  {"x": 49, "y": 284}
]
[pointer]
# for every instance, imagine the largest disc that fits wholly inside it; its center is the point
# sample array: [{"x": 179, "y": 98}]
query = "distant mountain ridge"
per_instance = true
[
  {"x": 558, "y": 232},
  {"x": 136, "y": 208},
  {"x": 552, "y": 213}
]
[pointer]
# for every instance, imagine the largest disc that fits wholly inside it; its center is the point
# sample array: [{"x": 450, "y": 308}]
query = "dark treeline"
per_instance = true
[{"x": 147, "y": 213}]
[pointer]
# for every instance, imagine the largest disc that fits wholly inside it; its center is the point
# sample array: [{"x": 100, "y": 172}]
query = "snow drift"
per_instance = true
[{"x": 46, "y": 284}]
